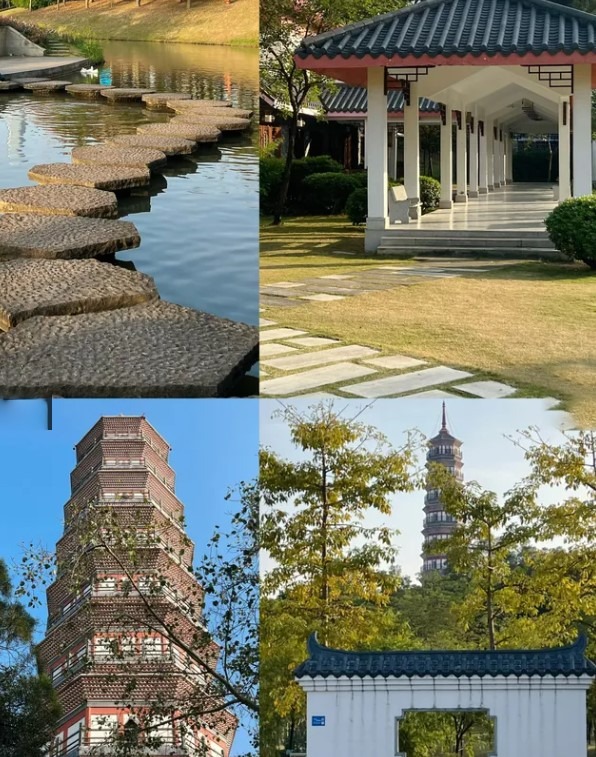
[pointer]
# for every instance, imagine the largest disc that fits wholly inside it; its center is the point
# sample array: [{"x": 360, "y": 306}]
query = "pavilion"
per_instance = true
[{"x": 496, "y": 67}]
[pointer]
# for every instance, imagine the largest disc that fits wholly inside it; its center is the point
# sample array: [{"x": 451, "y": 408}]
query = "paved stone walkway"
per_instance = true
[
  {"x": 288, "y": 294},
  {"x": 297, "y": 363}
]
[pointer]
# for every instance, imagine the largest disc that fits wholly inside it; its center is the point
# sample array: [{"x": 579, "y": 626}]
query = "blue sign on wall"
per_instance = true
[{"x": 318, "y": 720}]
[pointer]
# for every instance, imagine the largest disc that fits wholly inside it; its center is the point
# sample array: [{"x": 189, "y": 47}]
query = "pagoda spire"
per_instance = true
[{"x": 444, "y": 422}]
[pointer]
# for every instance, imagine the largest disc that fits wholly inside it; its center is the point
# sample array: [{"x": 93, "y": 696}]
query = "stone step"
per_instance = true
[
  {"x": 152, "y": 350},
  {"x": 408, "y": 230},
  {"x": 448, "y": 240},
  {"x": 122, "y": 94},
  {"x": 112, "y": 178},
  {"x": 30, "y": 288},
  {"x": 110, "y": 155},
  {"x": 462, "y": 252},
  {"x": 59, "y": 200}
]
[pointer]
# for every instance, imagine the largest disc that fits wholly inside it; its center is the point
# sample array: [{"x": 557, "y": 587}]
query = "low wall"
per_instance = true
[{"x": 13, "y": 43}]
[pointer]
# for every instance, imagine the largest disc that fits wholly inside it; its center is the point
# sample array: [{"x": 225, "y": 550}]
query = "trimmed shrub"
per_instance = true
[
  {"x": 327, "y": 193},
  {"x": 571, "y": 227},
  {"x": 357, "y": 206},
  {"x": 430, "y": 193},
  {"x": 301, "y": 169},
  {"x": 270, "y": 173}
]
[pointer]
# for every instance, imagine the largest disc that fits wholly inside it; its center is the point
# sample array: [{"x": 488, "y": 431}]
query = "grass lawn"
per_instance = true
[
  {"x": 531, "y": 324},
  {"x": 211, "y": 22}
]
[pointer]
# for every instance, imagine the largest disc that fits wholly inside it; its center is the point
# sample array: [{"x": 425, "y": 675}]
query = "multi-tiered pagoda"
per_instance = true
[
  {"x": 114, "y": 620},
  {"x": 438, "y": 524}
]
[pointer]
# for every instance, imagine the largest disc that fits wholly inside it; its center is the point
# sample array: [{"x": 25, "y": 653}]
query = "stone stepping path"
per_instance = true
[
  {"x": 45, "y": 87},
  {"x": 296, "y": 362},
  {"x": 135, "y": 157},
  {"x": 123, "y": 94},
  {"x": 98, "y": 177},
  {"x": 59, "y": 200},
  {"x": 195, "y": 132},
  {"x": 6, "y": 86},
  {"x": 38, "y": 236},
  {"x": 167, "y": 145},
  {"x": 189, "y": 108},
  {"x": 200, "y": 103},
  {"x": 152, "y": 350},
  {"x": 30, "y": 288},
  {"x": 223, "y": 123},
  {"x": 159, "y": 100},
  {"x": 86, "y": 90}
]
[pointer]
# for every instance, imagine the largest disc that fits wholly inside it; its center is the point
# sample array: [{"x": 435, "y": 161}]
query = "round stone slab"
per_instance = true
[
  {"x": 199, "y": 103},
  {"x": 167, "y": 145},
  {"x": 5, "y": 86},
  {"x": 52, "y": 85},
  {"x": 120, "y": 93},
  {"x": 153, "y": 350},
  {"x": 98, "y": 177},
  {"x": 223, "y": 123},
  {"x": 197, "y": 132},
  {"x": 137, "y": 157},
  {"x": 159, "y": 100},
  {"x": 59, "y": 200},
  {"x": 37, "y": 236},
  {"x": 186, "y": 108},
  {"x": 86, "y": 90},
  {"x": 29, "y": 288},
  {"x": 29, "y": 79}
]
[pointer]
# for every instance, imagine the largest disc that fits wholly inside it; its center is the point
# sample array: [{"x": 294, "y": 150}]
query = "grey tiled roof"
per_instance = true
[
  {"x": 563, "y": 661},
  {"x": 460, "y": 27},
  {"x": 355, "y": 100}
]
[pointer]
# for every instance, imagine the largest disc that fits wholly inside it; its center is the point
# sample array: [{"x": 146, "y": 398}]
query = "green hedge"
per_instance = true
[
  {"x": 357, "y": 206},
  {"x": 271, "y": 170},
  {"x": 430, "y": 193},
  {"x": 327, "y": 193},
  {"x": 571, "y": 227}
]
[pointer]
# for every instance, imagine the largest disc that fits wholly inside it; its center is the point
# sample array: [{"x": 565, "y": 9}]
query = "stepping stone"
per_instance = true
[
  {"x": 6, "y": 86},
  {"x": 322, "y": 297},
  {"x": 30, "y": 79},
  {"x": 201, "y": 103},
  {"x": 433, "y": 394},
  {"x": 223, "y": 123},
  {"x": 317, "y": 396},
  {"x": 488, "y": 390},
  {"x": 395, "y": 362},
  {"x": 406, "y": 382},
  {"x": 98, "y": 177},
  {"x": 265, "y": 322},
  {"x": 338, "y": 276},
  {"x": 38, "y": 236},
  {"x": 167, "y": 145},
  {"x": 271, "y": 348},
  {"x": 86, "y": 90},
  {"x": 187, "y": 109},
  {"x": 298, "y": 382},
  {"x": 59, "y": 200},
  {"x": 152, "y": 350},
  {"x": 137, "y": 157},
  {"x": 31, "y": 288},
  {"x": 43, "y": 87},
  {"x": 287, "y": 284},
  {"x": 313, "y": 341},
  {"x": 195, "y": 132},
  {"x": 270, "y": 335},
  {"x": 322, "y": 357},
  {"x": 159, "y": 100},
  {"x": 114, "y": 94}
]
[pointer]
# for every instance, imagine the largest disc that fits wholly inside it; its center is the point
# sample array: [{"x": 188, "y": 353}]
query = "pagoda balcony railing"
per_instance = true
[
  {"x": 146, "y": 501},
  {"x": 445, "y": 452},
  {"x": 130, "y": 465},
  {"x": 90, "y": 742},
  {"x": 138, "y": 437}
]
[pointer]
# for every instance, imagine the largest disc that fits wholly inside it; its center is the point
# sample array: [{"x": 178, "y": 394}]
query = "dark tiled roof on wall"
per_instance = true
[
  {"x": 460, "y": 27},
  {"x": 355, "y": 100},
  {"x": 562, "y": 661}
]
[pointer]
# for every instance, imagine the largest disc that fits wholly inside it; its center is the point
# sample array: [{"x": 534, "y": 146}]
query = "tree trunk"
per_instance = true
[
  {"x": 489, "y": 594},
  {"x": 285, "y": 180},
  {"x": 324, "y": 524}
]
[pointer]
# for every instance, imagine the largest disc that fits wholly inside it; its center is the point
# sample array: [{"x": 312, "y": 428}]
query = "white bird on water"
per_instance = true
[{"x": 90, "y": 71}]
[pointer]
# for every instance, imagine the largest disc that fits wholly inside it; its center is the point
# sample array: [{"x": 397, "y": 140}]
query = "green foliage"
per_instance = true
[
  {"x": 89, "y": 48},
  {"x": 270, "y": 176},
  {"x": 357, "y": 206},
  {"x": 535, "y": 162},
  {"x": 430, "y": 193},
  {"x": 327, "y": 193},
  {"x": 571, "y": 227},
  {"x": 33, "y": 33},
  {"x": 465, "y": 734}
]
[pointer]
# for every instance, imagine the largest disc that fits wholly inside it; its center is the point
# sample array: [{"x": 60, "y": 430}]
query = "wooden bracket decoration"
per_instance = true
[
  {"x": 458, "y": 118},
  {"x": 565, "y": 104},
  {"x": 443, "y": 112},
  {"x": 481, "y": 128}
]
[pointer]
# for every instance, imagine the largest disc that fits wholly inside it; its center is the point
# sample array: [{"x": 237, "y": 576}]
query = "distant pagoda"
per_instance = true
[
  {"x": 444, "y": 449},
  {"x": 96, "y": 642}
]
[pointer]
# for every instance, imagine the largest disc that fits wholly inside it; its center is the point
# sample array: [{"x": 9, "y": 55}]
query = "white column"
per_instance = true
[
  {"x": 462, "y": 159},
  {"x": 582, "y": 129},
  {"x": 564, "y": 149},
  {"x": 503, "y": 159},
  {"x": 446, "y": 200},
  {"x": 473, "y": 140},
  {"x": 366, "y": 142},
  {"x": 376, "y": 156},
  {"x": 509, "y": 160},
  {"x": 496, "y": 157},
  {"x": 482, "y": 161},
  {"x": 412, "y": 151}
]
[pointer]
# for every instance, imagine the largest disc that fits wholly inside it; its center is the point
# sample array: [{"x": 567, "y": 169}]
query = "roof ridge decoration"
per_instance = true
[
  {"x": 435, "y": 29},
  {"x": 565, "y": 661}
]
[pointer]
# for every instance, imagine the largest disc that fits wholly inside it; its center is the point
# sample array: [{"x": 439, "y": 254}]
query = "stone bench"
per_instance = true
[{"x": 399, "y": 205}]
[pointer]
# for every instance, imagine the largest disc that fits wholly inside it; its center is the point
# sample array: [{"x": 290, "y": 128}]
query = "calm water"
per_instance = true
[{"x": 199, "y": 219}]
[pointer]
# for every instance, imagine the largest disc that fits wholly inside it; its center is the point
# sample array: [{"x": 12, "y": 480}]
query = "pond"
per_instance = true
[{"x": 199, "y": 219}]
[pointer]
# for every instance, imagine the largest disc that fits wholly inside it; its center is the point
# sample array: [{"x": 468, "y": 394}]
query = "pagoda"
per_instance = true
[
  {"x": 123, "y": 634},
  {"x": 439, "y": 525}
]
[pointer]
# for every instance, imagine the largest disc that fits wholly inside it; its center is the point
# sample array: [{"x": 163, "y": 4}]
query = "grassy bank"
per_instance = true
[{"x": 211, "y": 22}]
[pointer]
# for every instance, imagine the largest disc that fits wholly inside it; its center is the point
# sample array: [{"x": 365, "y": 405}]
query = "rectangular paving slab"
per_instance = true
[
  {"x": 269, "y": 349},
  {"x": 312, "y": 341},
  {"x": 322, "y": 357},
  {"x": 270, "y": 335},
  {"x": 153, "y": 350},
  {"x": 299, "y": 382},
  {"x": 405, "y": 382},
  {"x": 395, "y": 362},
  {"x": 488, "y": 390}
]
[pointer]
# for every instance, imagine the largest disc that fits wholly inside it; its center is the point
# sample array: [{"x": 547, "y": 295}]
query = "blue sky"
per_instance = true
[
  {"x": 214, "y": 446},
  {"x": 484, "y": 427}
]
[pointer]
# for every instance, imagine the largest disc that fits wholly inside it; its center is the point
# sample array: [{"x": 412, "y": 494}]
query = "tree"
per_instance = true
[
  {"x": 283, "y": 23},
  {"x": 330, "y": 571}
]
